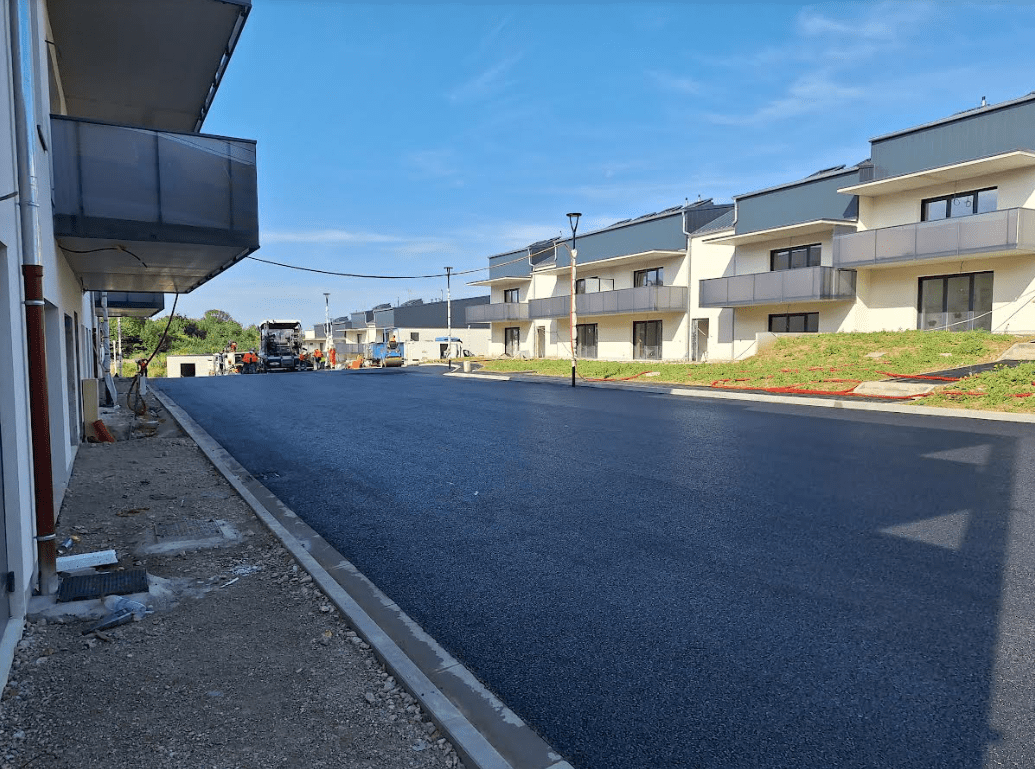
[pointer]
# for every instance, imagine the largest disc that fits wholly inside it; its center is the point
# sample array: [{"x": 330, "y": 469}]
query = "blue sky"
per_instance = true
[{"x": 400, "y": 138}]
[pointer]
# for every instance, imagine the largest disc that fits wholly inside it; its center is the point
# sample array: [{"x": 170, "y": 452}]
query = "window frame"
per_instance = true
[
  {"x": 787, "y": 317},
  {"x": 945, "y": 295},
  {"x": 517, "y": 339},
  {"x": 813, "y": 257},
  {"x": 638, "y": 274},
  {"x": 512, "y": 295},
  {"x": 581, "y": 346},
  {"x": 947, "y": 199},
  {"x": 660, "y": 338}
]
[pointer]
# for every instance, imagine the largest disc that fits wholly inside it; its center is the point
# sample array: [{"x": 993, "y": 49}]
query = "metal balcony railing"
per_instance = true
[
  {"x": 995, "y": 232},
  {"x": 623, "y": 301},
  {"x": 135, "y": 184},
  {"x": 487, "y": 313},
  {"x": 807, "y": 284}
]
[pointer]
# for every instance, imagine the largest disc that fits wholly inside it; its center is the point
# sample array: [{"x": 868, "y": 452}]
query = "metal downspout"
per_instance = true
[
  {"x": 32, "y": 274},
  {"x": 689, "y": 288}
]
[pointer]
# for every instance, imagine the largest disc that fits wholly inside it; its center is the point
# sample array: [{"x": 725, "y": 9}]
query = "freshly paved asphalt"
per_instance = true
[{"x": 654, "y": 581}]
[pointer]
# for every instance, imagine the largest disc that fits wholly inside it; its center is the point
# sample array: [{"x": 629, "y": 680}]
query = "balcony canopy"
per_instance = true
[
  {"x": 956, "y": 172},
  {"x": 792, "y": 231},
  {"x": 142, "y": 210},
  {"x": 150, "y": 63}
]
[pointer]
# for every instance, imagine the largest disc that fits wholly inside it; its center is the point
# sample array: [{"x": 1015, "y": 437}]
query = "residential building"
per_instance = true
[
  {"x": 109, "y": 195},
  {"x": 421, "y": 326},
  {"x": 632, "y": 295},
  {"x": 780, "y": 276},
  {"x": 934, "y": 231}
]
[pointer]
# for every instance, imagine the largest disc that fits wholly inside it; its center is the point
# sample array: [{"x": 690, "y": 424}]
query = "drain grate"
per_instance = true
[
  {"x": 83, "y": 586},
  {"x": 188, "y": 530}
]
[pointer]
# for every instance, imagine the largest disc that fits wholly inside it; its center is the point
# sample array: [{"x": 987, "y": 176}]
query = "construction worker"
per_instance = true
[
  {"x": 334, "y": 357},
  {"x": 318, "y": 358},
  {"x": 303, "y": 360},
  {"x": 251, "y": 361}
]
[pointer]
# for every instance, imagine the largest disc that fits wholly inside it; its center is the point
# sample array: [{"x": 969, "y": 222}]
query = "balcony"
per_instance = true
[
  {"x": 996, "y": 233},
  {"x": 500, "y": 311},
  {"x": 807, "y": 284},
  {"x": 624, "y": 301},
  {"x": 143, "y": 210}
]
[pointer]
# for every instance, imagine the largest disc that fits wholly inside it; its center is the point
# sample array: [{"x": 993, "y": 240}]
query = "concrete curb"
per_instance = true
[
  {"x": 485, "y": 733},
  {"x": 796, "y": 400}
]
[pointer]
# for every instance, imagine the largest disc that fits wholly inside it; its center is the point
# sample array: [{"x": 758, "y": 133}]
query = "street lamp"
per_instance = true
[
  {"x": 449, "y": 322},
  {"x": 573, "y": 221},
  {"x": 326, "y": 325}
]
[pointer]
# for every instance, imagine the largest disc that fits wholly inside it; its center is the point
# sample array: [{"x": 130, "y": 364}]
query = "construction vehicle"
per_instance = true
[
  {"x": 387, "y": 353},
  {"x": 280, "y": 343}
]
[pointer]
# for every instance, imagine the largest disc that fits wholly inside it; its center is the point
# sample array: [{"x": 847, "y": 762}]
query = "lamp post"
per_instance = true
[
  {"x": 573, "y": 220},
  {"x": 326, "y": 325},
  {"x": 449, "y": 322}
]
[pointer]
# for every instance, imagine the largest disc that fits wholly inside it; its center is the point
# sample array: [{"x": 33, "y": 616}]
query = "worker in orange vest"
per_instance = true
[{"x": 317, "y": 358}]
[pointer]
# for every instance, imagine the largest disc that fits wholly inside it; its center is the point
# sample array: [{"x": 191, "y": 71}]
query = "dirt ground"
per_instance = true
[{"x": 243, "y": 663}]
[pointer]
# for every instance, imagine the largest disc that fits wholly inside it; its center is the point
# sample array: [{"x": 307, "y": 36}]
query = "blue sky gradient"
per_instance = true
[{"x": 400, "y": 138}]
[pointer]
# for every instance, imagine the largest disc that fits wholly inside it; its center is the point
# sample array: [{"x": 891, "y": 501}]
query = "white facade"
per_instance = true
[{"x": 75, "y": 110}]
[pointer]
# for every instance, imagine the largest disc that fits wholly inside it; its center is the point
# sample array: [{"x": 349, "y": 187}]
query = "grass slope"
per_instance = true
[{"x": 835, "y": 362}]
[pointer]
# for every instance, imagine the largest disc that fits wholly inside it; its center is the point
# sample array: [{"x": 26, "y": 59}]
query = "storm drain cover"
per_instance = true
[
  {"x": 188, "y": 530},
  {"x": 83, "y": 586}
]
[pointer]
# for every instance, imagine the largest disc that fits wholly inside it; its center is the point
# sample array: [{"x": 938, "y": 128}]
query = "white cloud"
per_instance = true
[
  {"x": 670, "y": 82},
  {"x": 329, "y": 235},
  {"x": 488, "y": 82},
  {"x": 809, "y": 93}
]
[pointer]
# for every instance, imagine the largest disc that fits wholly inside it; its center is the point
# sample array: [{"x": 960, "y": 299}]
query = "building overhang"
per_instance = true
[
  {"x": 615, "y": 260},
  {"x": 815, "y": 227},
  {"x": 512, "y": 280},
  {"x": 154, "y": 64},
  {"x": 956, "y": 172},
  {"x": 141, "y": 266},
  {"x": 130, "y": 304}
]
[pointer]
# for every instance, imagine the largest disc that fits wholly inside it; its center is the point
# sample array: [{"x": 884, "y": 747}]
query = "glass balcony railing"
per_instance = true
[
  {"x": 1011, "y": 230},
  {"x": 808, "y": 284},
  {"x": 623, "y": 301},
  {"x": 487, "y": 313},
  {"x": 135, "y": 184}
]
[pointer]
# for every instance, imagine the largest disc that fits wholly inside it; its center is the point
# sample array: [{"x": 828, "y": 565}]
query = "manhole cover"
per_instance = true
[
  {"x": 188, "y": 530},
  {"x": 83, "y": 586}
]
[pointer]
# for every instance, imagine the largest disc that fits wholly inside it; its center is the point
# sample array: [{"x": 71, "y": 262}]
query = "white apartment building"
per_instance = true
[
  {"x": 632, "y": 291},
  {"x": 108, "y": 195},
  {"x": 936, "y": 230}
]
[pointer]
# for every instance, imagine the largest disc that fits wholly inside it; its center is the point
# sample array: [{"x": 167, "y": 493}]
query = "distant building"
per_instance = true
[{"x": 419, "y": 325}]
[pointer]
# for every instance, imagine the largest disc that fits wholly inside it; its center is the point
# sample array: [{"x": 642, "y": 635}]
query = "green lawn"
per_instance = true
[{"x": 834, "y": 362}]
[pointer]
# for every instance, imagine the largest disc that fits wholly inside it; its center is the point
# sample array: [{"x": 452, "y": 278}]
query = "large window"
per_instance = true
[
  {"x": 795, "y": 258},
  {"x": 955, "y": 302},
  {"x": 794, "y": 323},
  {"x": 647, "y": 339},
  {"x": 594, "y": 285},
  {"x": 511, "y": 295},
  {"x": 652, "y": 277},
  {"x": 586, "y": 340},
  {"x": 959, "y": 204},
  {"x": 511, "y": 341}
]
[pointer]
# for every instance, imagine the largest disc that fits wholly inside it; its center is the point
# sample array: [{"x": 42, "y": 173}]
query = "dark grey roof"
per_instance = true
[
  {"x": 958, "y": 116},
  {"x": 724, "y": 222},
  {"x": 838, "y": 171}
]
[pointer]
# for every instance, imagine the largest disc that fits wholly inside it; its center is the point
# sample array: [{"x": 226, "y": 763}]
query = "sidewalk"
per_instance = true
[{"x": 244, "y": 662}]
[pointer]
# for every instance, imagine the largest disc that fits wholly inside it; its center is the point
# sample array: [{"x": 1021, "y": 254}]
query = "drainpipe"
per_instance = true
[
  {"x": 689, "y": 288},
  {"x": 32, "y": 274}
]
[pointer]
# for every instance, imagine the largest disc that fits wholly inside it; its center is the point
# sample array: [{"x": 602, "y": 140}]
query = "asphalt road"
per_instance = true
[{"x": 657, "y": 581}]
